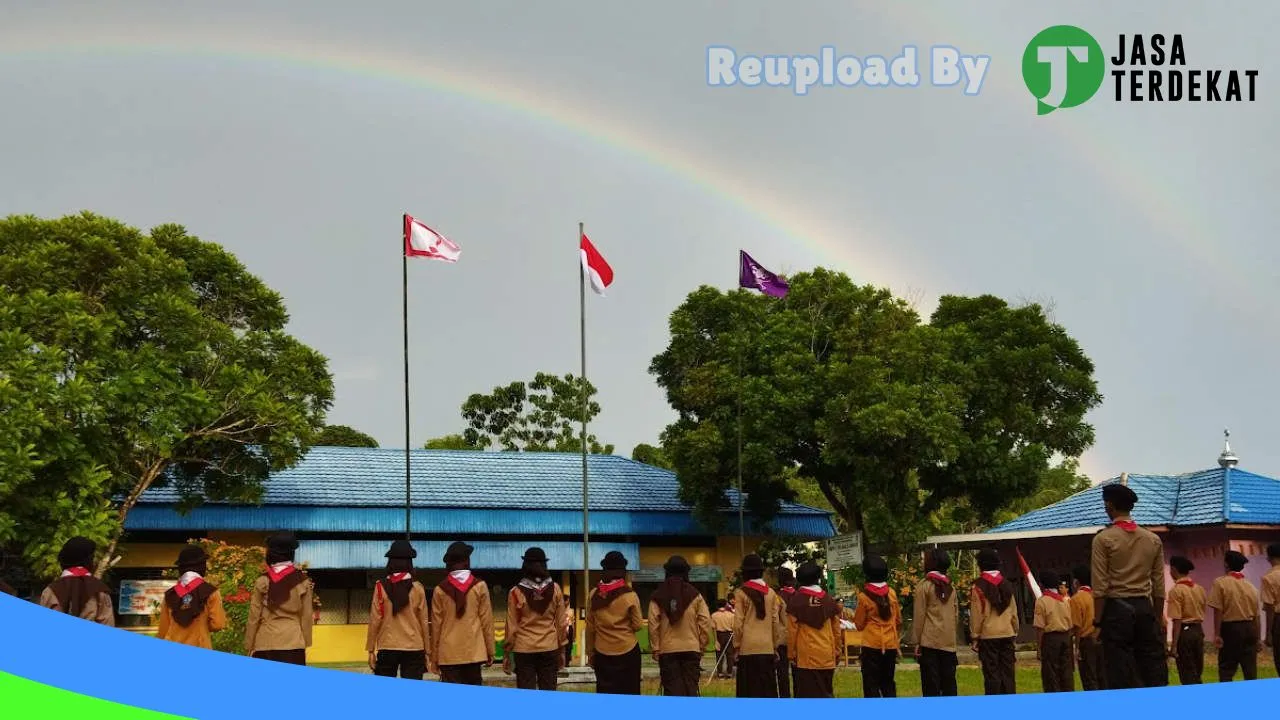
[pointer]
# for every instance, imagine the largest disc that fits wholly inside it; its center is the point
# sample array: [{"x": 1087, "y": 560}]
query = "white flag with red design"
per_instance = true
[
  {"x": 1026, "y": 572},
  {"x": 422, "y": 241},
  {"x": 593, "y": 264}
]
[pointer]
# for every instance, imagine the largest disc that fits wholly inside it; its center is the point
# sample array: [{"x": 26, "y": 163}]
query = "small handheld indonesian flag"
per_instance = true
[
  {"x": 1026, "y": 572},
  {"x": 593, "y": 264},
  {"x": 422, "y": 241}
]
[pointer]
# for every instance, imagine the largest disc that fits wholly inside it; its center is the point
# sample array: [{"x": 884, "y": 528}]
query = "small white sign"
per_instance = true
[
  {"x": 142, "y": 597},
  {"x": 844, "y": 551}
]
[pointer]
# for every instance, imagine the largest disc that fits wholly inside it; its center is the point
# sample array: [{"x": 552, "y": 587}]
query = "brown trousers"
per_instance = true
[
  {"x": 1239, "y": 651},
  {"x": 1056, "y": 671},
  {"x": 471, "y": 674},
  {"x": 1092, "y": 674},
  {"x": 617, "y": 674},
  {"x": 680, "y": 673},
  {"x": 999, "y": 666},
  {"x": 814, "y": 683},
  {"x": 783, "y": 671},
  {"x": 1189, "y": 654},
  {"x": 537, "y": 671},
  {"x": 757, "y": 677},
  {"x": 289, "y": 657}
]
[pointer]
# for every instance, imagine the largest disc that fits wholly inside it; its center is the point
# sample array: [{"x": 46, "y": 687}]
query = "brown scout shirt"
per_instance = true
[
  {"x": 406, "y": 630},
  {"x": 284, "y": 627},
  {"x": 933, "y": 623},
  {"x": 612, "y": 629},
  {"x": 462, "y": 640},
  {"x": 985, "y": 624},
  {"x": 531, "y": 632},
  {"x": 1082, "y": 614},
  {"x": 96, "y": 609},
  {"x": 1128, "y": 565},
  {"x": 722, "y": 621},
  {"x": 212, "y": 619},
  {"x": 691, "y": 634},
  {"x": 1187, "y": 602},
  {"x": 811, "y": 648},
  {"x": 1052, "y": 615},
  {"x": 1235, "y": 598},
  {"x": 1271, "y": 588},
  {"x": 878, "y": 634},
  {"x": 758, "y": 636}
]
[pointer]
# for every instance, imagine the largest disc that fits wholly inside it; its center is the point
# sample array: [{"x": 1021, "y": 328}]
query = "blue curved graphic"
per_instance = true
[{"x": 155, "y": 675}]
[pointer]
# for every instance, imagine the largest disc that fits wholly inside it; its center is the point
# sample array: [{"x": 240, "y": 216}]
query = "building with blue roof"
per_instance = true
[
  {"x": 347, "y": 504},
  {"x": 1199, "y": 515}
]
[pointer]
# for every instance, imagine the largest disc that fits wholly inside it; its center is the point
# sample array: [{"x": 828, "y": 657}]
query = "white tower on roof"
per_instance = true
[{"x": 1227, "y": 459}]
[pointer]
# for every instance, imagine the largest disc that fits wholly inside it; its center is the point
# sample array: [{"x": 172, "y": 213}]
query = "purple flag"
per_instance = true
[{"x": 753, "y": 276}]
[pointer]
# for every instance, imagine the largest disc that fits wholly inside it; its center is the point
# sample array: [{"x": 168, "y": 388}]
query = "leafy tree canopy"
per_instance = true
[
  {"x": 845, "y": 387},
  {"x": 128, "y": 360},
  {"x": 344, "y": 436},
  {"x": 449, "y": 442},
  {"x": 542, "y": 415},
  {"x": 650, "y": 455}
]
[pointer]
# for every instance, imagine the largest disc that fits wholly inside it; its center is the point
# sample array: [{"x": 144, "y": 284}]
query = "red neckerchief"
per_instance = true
[
  {"x": 993, "y": 576},
  {"x": 608, "y": 587},
  {"x": 787, "y": 590},
  {"x": 812, "y": 593},
  {"x": 1126, "y": 525},
  {"x": 1187, "y": 581},
  {"x": 758, "y": 585},
  {"x": 184, "y": 590},
  {"x": 398, "y": 577},
  {"x": 278, "y": 576},
  {"x": 873, "y": 590},
  {"x": 1086, "y": 588},
  {"x": 939, "y": 577},
  {"x": 1236, "y": 575},
  {"x": 1052, "y": 594},
  {"x": 462, "y": 587},
  {"x": 77, "y": 572}
]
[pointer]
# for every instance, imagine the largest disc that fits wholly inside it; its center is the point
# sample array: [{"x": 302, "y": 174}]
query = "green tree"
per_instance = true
[
  {"x": 132, "y": 360},
  {"x": 844, "y": 388},
  {"x": 449, "y": 442},
  {"x": 344, "y": 436},
  {"x": 650, "y": 455},
  {"x": 542, "y": 415}
]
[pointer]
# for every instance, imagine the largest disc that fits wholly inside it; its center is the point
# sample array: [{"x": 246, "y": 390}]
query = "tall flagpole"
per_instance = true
[
  {"x": 742, "y": 523},
  {"x": 404, "y": 267},
  {"x": 586, "y": 531}
]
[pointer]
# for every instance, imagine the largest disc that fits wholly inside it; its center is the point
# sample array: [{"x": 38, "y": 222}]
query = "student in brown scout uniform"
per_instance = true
[
  {"x": 1271, "y": 602},
  {"x": 77, "y": 592},
  {"x": 815, "y": 640},
  {"x": 280, "y": 607},
  {"x": 879, "y": 617},
  {"x": 722, "y": 623},
  {"x": 786, "y": 591},
  {"x": 1235, "y": 621},
  {"x": 758, "y": 632},
  {"x": 1088, "y": 650},
  {"x": 461, "y": 622},
  {"x": 613, "y": 619},
  {"x": 1186, "y": 611},
  {"x": 535, "y": 635},
  {"x": 1128, "y": 596},
  {"x": 399, "y": 635},
  {"x": 933, "y": 627},
  {"x": 679, "y": 630},
  {"x": 192, "y": 609},
  {"x": 993, "y": 625},
  {"x": 1052, "y": 620}
]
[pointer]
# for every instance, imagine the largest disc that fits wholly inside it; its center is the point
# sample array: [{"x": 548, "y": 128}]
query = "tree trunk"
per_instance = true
[{"x": 145, "y": 481}]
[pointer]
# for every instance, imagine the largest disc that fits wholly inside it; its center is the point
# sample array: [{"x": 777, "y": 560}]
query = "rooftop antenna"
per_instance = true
[{"x": 1124, "y": 478}]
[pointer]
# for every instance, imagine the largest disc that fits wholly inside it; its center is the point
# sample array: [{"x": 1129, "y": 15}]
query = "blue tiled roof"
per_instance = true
[
  {"x": 488, "y": 555},
  {"x": 362, "y": 490},
  {"x": 1208, "y": 497}
]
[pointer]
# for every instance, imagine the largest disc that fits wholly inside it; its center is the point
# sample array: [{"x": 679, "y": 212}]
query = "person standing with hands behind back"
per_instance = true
[
  {"x": 280, "y": 607},
  {"x": 758, "y": 631},
  {"x": 461, "y": 622},
  {"x": 1235, "y": 621},
  {"x": 1128, "y": 596},
  {"x": 613, "y": 619},
  {"x": 535, "y": 636},
  {"x": 398, "y": 635},
  {"x": 815, "y": 640},
  {"x": 933, "y": 629},
  {"x": 679, "y": 630},
  {"x": 879, "y": 617},
  {"x": 993, "y": 625}
]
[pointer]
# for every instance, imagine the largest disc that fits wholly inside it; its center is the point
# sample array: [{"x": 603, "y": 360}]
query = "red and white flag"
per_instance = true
[
  {"x": 1026, "y": 572},
  {"x": 593, "y": 264},
  {"x": 422, "y": 241}
]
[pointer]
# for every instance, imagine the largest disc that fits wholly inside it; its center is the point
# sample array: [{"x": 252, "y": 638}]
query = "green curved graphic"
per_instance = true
[{"x": 26, "y": 699}]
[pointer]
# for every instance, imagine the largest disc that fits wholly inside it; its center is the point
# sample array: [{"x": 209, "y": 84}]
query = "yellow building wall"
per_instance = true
[
  {"x": 338, "y": 644},
  {"x": 149, "y": 555}
]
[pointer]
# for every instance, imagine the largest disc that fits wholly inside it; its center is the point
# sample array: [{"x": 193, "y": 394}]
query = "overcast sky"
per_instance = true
[{"x": 296, "y": 133}]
